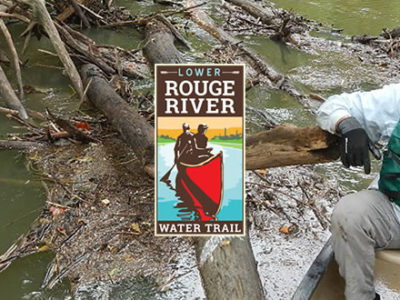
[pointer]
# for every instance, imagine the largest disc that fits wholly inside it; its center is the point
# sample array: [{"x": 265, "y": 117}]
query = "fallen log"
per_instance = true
[
  {"x": 377, "y": 40},
  {"x": 133, "y": 128},
  {"x": 363, "y": 39},
  {"x": 9, "y": 96},
  {"x": 43, "y": 17},
  {"x": 85, "y": 50},
  {"x": 199, "y": 17},
  {"x": 266, "y": 15},
  {"x": 14, "y": 55},
  {"x": 233, "y": 266},
  {"x": 19, "y": 145},
  {"x": 277, "y": 80},
  {"x": 284, "y": 23},
  {"x": 228, "y": 268},
  {"x": 287, "y": 145},
  {"x": 160, "y": 44}
]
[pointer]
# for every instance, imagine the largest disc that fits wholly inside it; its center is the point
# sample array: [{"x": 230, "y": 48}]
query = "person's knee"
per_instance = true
[{"x": 351, "y": 212}]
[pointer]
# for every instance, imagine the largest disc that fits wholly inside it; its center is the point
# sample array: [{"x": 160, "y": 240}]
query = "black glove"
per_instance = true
[{"x": 355, "y": 145}]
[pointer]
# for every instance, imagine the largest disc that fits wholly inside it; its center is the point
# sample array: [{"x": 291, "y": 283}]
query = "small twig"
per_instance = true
[
  {"x": 90, "y": 11},
  {"x": 26, "y": 43},
  {"x": 47, "y": 66},
  {"x": 8, "y": 111},
  {"x": 85, "y": 91},
  {"x": 47, "y": 52},
  {"x": 275, "y": 190},
  {"x": 15, "y": 16},
  {"x": 58, "y": 205}
]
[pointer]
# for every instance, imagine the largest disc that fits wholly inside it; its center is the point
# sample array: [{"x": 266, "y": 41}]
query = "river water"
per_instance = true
[
  {"x": 231, "y": 207},
  {"x": 21, "y": 195}
]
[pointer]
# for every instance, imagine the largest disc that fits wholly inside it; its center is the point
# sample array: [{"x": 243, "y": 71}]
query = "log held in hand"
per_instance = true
[{"x": 289, "y": 145}]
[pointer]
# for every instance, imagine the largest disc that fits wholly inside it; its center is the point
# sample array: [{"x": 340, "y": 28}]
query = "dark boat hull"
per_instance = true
[{"x": 323, "y": 281}]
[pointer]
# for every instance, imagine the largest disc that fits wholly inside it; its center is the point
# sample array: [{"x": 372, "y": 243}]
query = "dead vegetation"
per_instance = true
[
  {"x": 99, "y": 207},
  {"x": 388, "y": 41}
]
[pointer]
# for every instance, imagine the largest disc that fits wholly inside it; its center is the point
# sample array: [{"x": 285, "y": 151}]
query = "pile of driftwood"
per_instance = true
[
  {"x": 388, "y": 41},
  {"x": 92, "y": 70},
  {"x": 280, "y": 24}
]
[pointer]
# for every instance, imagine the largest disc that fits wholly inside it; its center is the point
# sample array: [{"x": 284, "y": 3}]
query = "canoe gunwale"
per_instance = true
[{"x": 203, "y": 162}]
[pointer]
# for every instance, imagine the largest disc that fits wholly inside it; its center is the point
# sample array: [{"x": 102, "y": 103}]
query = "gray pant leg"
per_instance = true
[{"x": 361, "y": 223}]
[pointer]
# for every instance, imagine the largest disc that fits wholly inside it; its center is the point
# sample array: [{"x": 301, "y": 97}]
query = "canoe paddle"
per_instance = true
[{"x": 165, "y": 178}]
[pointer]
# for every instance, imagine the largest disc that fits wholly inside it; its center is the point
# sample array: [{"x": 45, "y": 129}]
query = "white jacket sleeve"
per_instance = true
[{"x": 378, "y": 111}]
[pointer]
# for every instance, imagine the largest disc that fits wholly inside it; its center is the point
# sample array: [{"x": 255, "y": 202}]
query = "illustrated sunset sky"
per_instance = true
[{"x": 172, "y": 126}]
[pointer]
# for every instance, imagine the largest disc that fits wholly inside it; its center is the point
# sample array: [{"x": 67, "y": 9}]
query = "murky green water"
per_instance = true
[
  {"x": 21, "y": 196},
  {"x": 355, "y": 16}
]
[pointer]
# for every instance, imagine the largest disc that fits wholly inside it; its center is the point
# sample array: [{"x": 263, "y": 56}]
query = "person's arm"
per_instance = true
[
  {"x": 196, "y": 147},
  {"x": 377, "y": 111},
  {"x": 177, "y": 145},
  {"x": 360, "y": 118}
]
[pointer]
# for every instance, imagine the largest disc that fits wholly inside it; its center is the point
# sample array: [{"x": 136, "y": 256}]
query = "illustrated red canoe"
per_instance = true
[{"x": 203, "y": 184}]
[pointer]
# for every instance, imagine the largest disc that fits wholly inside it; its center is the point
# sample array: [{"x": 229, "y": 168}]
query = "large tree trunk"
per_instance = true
[
  {"x": 266, "y": 15},
  {"x": 9, "y": 96},
  {"x": 228, "y": 268},
  {"x": 133, "y": 128},
  {"x": 288, "y": 145},
  {"x": 159, "y": 44}
]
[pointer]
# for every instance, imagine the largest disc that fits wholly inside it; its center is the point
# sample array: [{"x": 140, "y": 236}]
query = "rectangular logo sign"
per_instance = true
[{"x": 200, "y": 148}]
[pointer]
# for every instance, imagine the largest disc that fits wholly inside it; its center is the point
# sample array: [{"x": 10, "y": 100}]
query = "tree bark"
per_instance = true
[
  {"x": 266, "y": 15},
  {"x": 206, "y": 23},
  {"x": 133, "y": 127},
  {"x": 19, "y": 145},
  {"x": 278, "y": 80},
  {"x": 43, "y": 17},
  {"x": 9, "y": 96},
  {"x": 69, "y": 11},
  {"x": 228, "y": 268},
  {"x": 288, "y": 145},
  {"x": 80, "y": 13},
  {"x": 15, "y": 58},
  {"x": 159, "y": 44}
]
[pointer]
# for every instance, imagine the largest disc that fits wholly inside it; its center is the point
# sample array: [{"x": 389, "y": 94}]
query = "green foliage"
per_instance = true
[
  {"x": 165, "y": 139},
  {"x": 225, "y": 137}
]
